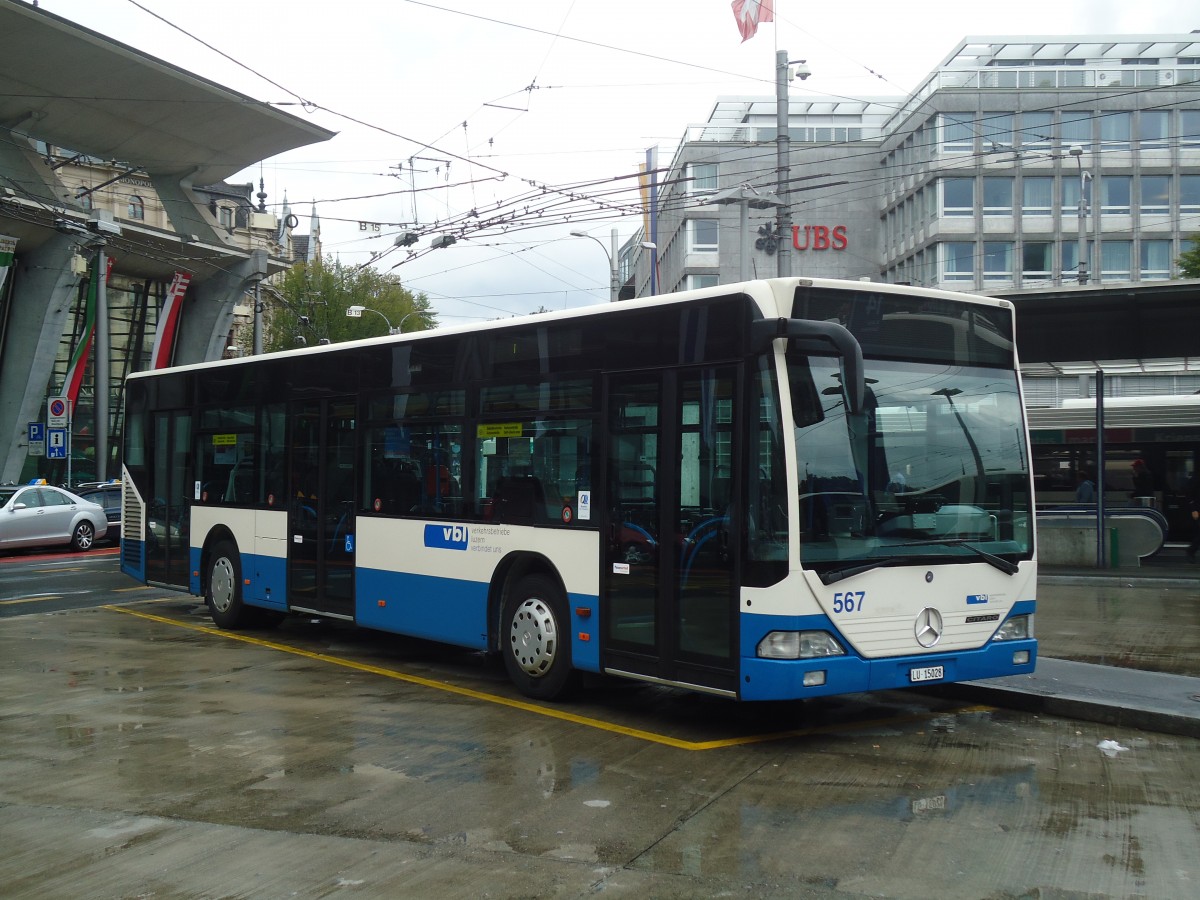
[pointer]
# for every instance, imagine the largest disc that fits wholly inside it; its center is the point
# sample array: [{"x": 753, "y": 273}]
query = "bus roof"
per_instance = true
[{"x": 774, "y": 296}]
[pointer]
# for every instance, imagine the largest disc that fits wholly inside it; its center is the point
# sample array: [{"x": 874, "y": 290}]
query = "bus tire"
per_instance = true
[
  {"x": 223, "y": 587},
  {"x": 535, "y": 641},
  {"x": 223, "y": 592}
]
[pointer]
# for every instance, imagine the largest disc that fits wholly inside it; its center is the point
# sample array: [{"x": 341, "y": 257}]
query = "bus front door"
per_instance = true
[
  {"x": 321, "y": 507},
  {"x": 669, "y": 611}
]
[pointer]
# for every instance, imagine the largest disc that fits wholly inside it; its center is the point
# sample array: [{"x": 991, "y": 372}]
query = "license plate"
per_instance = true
[{"x": 929, "y": 673}]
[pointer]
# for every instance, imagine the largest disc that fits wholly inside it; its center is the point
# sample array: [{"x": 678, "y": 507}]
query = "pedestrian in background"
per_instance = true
[
  {"x": 1192, "y": 493},
  {"x": 1085, "y": 492},
  {"x": 1143, "y": 484}
]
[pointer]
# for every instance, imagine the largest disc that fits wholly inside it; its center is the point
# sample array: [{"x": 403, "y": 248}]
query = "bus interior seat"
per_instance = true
[
  {"x": 403, "y": 487},
  {"x": 520, "y": 500},
  {"x": 720, "y": 493}
]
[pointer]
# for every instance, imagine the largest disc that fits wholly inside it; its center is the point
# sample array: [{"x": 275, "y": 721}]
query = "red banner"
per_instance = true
[{"x": 168, "y": 322}]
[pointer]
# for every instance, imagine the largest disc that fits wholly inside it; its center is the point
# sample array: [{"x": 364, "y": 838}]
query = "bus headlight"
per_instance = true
[
  {"x": 1018, "y": 628},
  {"x": 799, "y": 645}
]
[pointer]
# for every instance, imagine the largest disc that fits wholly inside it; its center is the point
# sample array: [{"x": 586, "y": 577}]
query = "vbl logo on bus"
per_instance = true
[{"x": 446, "y": 537}]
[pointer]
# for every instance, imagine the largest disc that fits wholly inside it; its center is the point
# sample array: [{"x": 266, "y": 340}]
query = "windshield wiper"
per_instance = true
[
  {"x": 1004, "y": 565},
  {"x": 830, "y": 576}
]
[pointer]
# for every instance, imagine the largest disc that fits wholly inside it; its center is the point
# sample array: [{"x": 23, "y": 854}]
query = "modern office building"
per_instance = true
[
  {"x": 1062, "y": 171},
  {"x": 973, "y": 182}
]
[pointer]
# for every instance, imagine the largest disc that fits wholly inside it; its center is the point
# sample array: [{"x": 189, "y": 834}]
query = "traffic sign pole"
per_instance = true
[{"x": 58, "y": 417}]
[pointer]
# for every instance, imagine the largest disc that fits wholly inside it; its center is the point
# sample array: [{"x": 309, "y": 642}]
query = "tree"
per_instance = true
[
  {"x": 312, "y": 299},
  {"x": 1189, "y": 260}
]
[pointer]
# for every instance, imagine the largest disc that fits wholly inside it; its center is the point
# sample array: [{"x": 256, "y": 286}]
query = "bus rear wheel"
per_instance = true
[
  {"x": 223, "y": 592},
  {"x": 535, "y": 641}
]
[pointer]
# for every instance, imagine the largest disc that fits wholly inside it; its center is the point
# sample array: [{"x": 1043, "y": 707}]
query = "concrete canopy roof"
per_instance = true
[{"x": 74, "y": 88}]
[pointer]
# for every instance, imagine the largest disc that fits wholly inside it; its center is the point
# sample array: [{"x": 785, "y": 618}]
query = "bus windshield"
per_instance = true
[{"x": 934, "y": 466}]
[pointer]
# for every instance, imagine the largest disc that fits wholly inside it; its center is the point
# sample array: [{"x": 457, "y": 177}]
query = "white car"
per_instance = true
[{"x": 38, "y": 515}]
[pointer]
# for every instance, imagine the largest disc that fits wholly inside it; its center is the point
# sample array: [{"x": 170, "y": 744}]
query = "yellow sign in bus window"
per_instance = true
[
  {"x": 500, "y": 430},
  {"x": 224, "y": 440}
]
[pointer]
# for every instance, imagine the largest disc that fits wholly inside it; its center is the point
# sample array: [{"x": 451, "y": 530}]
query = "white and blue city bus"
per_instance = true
[{"x": 770, "y": 490}]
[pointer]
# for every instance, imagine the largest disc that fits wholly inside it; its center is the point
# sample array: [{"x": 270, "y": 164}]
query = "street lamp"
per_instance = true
[
  {"x": 614, "y": 280},
  {"x": 355, "y": 312},
  {"x": 1077, "y": 152},
  {"x": 746, "y": 197},
  {"x": 614, "y": 284}
]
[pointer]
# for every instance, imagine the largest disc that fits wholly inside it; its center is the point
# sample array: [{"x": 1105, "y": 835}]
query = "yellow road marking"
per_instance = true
[
  {"x": 31, "y": 599},
  {"x": 562, "y": 715}
]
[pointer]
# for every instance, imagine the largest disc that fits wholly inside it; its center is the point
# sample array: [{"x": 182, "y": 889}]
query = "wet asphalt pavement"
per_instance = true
[{"x": 144, "y": 754}]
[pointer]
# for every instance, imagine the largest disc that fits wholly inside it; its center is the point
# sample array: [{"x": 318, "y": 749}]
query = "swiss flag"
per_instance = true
[{"x": 749, "y": 13}]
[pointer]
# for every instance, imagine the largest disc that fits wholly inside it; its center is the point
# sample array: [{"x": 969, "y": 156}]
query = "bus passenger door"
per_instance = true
[
  {"x": 321, "y": 532},
  {"x": 669, "y": 608},
  {"x": 168, "y": 511}
]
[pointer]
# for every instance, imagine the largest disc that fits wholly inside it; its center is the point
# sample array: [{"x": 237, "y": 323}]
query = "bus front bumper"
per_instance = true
[{"x": 790, "y": 679}]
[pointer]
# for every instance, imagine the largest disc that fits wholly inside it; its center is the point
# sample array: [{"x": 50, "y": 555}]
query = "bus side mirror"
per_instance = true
[{"x": 819, "y": 338}]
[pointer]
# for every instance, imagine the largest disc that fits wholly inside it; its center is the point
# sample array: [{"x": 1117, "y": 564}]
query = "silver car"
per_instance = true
[{"x": 37, "y": 515}]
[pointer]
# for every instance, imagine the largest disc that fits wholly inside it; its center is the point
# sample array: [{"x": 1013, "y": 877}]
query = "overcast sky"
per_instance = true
[{"x": 567, "y": 94}]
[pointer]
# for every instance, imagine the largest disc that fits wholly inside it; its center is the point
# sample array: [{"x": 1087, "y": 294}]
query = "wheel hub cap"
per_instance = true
[
  {"x": 533, "y": 637},
  {"x": 222, "y": 584}
]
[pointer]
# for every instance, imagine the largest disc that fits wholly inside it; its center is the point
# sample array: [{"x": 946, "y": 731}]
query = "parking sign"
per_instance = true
[{"x": 37, "y": 439}]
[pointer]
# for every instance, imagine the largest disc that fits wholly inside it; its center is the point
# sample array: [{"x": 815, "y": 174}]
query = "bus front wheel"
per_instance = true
[
  {"x": 536, "y": 642},
  {"x": 223, "y": 589}
]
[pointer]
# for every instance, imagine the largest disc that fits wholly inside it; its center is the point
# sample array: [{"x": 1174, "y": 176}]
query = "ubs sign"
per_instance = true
[{"x": 819, "y": 237}]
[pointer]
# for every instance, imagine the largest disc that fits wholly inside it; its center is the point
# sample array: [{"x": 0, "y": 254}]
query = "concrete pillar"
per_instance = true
[
  {"x": 207, "y": 314},
  {"x": 43, "y": 289}
]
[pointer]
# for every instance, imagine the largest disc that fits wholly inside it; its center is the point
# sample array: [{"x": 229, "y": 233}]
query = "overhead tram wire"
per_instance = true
[
  {"x": 220, "y": 53},
  {"x": 511, "y": 224},
  {"x": 309, "y": 105},
  {"x": 590, "y": 43}
]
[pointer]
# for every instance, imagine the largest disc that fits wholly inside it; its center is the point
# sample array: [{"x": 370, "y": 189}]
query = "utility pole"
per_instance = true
[
  {"x": 783, "y": 145},
  {"x": 258, "y": 319},
  {"x": 783, "y": 214},
  {"x": 1081, "y": 250},
  {"x": 614, "y": 279},
  {"x": 103, "y": 368}
]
